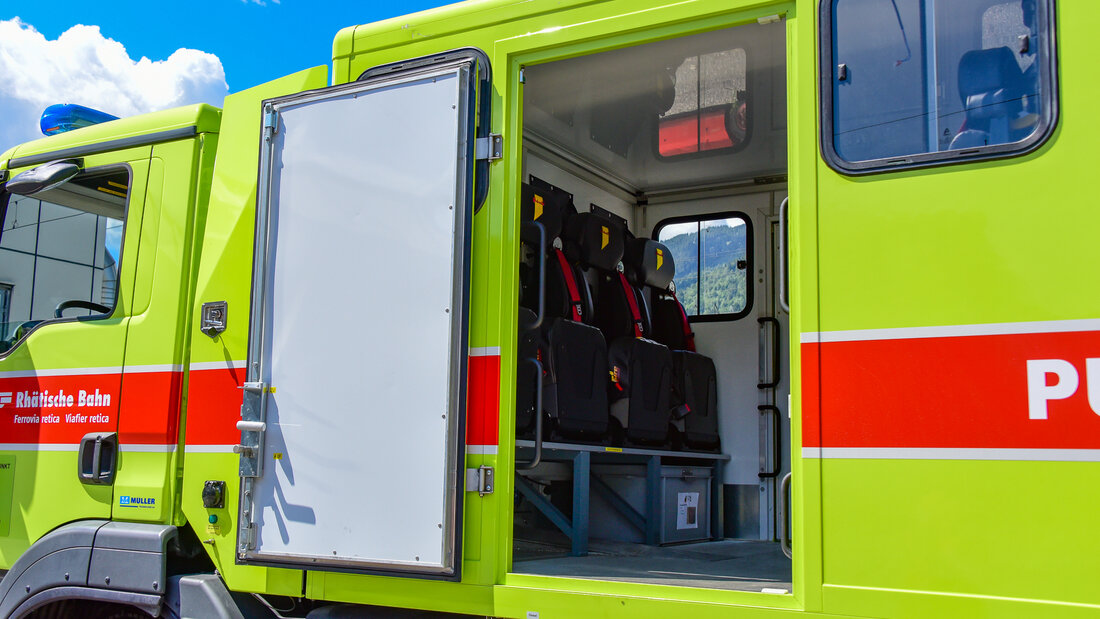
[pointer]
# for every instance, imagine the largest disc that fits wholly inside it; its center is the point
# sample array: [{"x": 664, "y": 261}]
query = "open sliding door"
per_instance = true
[{"x": 353, "y": 417}]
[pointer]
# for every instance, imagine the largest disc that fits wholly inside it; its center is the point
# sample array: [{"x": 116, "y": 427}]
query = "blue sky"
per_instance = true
[{"x": 250, "y": 42}]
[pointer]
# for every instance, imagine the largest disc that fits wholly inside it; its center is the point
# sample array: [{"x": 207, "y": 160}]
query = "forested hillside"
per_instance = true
[{"x": 724, "y": 289}]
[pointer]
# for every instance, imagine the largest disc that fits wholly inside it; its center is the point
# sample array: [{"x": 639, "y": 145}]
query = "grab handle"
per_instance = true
[
  {"x": 527, "y": 466},
  {"x": 784, "y": 293},
  {"x": 773, "y": 381},
  {"x": 536, "y": 228},
  {"x": 784, "y": 529},
  {"x": 777, "y": 440}
]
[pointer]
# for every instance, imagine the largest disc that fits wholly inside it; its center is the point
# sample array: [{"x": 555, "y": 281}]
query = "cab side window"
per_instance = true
[
  {"x": 915, "y": 82},
  {"x": 59, "y": 252}
]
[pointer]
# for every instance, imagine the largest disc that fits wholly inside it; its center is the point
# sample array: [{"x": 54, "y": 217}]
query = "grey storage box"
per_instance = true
[{"x": 684, "y": 503}]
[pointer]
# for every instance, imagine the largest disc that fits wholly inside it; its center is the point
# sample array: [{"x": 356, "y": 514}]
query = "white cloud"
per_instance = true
[{"x": 82, "y": 66}]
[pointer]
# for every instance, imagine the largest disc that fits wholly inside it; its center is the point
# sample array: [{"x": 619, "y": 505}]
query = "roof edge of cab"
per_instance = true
[{"x": 139, "y": 130}]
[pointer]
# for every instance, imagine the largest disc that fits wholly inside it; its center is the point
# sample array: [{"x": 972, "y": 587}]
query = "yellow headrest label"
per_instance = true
[
  {"x": 660, "y": 258},
  {"x": 538, "y": 206},
  {"x": 605, "y": 236}
]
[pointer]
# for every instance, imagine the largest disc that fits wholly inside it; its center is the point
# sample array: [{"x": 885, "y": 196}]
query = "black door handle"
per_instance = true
[
  {"x": 97, "y": 459},
  {"x": 535, "y": 229}
]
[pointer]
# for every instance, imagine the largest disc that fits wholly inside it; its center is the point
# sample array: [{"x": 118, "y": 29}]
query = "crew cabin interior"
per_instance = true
[{"x": 652, "y": 426}]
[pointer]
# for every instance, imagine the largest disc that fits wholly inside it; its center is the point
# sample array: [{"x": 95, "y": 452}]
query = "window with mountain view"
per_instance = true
[{"x": 712, "y": 263}]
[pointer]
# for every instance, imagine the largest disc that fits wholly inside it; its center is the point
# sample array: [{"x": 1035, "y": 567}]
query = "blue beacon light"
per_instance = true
[{"x": 62, "y": 117}]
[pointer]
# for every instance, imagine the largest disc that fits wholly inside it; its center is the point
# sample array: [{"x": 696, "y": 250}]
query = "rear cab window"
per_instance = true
[
  {"x": 712, "y": 263},
  {"x": 709, "y": 111},
  {"x": 918, "y": 82},
  {"x": 60, "y": 251}
]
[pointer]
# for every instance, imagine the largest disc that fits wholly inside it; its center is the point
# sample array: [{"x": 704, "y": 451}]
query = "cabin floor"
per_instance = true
[{"x": 734, "y": 565}]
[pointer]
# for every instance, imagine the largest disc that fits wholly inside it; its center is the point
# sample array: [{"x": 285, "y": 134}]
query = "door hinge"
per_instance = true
[
  {"x": 271, "y": 123},
  {"x": 246, "y": 537},
  {"x": 480, "y": 480},
  {"x": 490, "y": 148}
]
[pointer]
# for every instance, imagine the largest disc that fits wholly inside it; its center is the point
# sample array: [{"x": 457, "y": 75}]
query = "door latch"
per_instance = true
[
  {"x": 480, "y": 480},
  {"x": 252, "y": 428},
  {"x": 214, "y": 317}
]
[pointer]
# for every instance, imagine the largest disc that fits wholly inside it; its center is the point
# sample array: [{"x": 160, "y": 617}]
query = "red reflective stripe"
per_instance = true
[
  {"x": 483, "y": 400},
  {"x": 571, "y": 284},
  {"x": 633, "y": 302},
  {"x": 214, "y": 406},
  {"x": 963, "y": 392},
  {"x": 689, "y": 336},
  {"x": 49, "y": 409}
]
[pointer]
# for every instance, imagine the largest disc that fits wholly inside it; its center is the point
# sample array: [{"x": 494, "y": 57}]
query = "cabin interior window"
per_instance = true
[
  {"x": 913, "y": 81},
  {"x": 60, "y": 250}
]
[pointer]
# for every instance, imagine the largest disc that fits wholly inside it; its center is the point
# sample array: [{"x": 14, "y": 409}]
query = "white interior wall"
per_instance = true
[
  {"x": 584, "y": 193},
  {"x": 735, "y": 344}
]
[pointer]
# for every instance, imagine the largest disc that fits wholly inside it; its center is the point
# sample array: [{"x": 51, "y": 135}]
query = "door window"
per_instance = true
[
  {"x": 59, "y": 253},
  {"x": 910, "y": 82}
]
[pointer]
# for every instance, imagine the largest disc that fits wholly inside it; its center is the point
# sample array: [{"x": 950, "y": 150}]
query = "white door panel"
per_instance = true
[{"x": 360, "y": 344}]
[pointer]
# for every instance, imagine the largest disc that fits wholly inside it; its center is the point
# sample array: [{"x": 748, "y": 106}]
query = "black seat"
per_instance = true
[
  {"x": 640, "y": 369},
  {"x": 694, "y": 378},
  {"x": 573, "y": 354},
  {"x": 992, "y": 87}
]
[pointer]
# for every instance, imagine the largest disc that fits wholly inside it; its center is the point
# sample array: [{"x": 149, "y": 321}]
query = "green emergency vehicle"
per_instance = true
[{"x": 571, "y": 309}]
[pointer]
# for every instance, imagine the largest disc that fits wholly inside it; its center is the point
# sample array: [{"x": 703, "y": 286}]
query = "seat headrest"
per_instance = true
[
  {"x": 594, "y": 241},
  {"x": 985, "y": 70},
  {"x": 547, "y": 206},
  {"x": 649, "y": 263}
]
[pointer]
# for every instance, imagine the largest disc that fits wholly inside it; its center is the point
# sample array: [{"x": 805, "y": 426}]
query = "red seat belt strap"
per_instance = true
[
  {"x": 689, "y": 335},
  {"x": 571, "y": 284},
  {"x": 635, "y": 314}
]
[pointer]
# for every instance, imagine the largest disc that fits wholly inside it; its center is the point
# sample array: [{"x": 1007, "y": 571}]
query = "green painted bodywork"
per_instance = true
[
  {"x": 976, "y": 243},
  {"x": 224, "y": 273},
  {"x": 169, "y": 181}
]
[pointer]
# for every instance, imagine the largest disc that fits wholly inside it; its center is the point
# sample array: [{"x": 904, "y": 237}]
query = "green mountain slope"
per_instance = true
[{"x": 724, "y": 285}]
